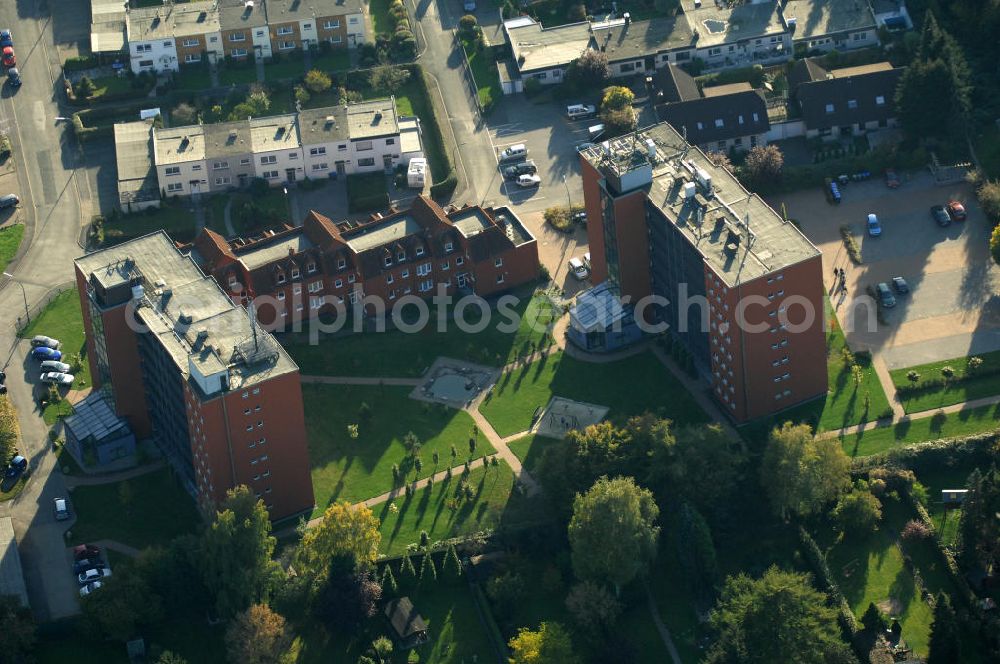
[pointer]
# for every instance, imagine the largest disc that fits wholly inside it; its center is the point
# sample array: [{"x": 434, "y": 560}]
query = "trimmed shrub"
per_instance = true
[{"x": 445, "y": 187}]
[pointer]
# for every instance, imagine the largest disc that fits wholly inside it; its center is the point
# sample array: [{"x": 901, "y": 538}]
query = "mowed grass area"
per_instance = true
[
  {"x": 974, "y": 387},
  {"x": 238, "y": 74},
  {"x": 333, "y": 61},
  {"x": 937, "y": 479},
  {"x": 193, "y": 77},
  {"x": 628, "y": 387},
  {"x": 143, "y": 511},
  {"x": 844, "y": 404},
  {"x": 10, "y": 240},
  {"x": 174, "y": 216},
  {"x": 940, "y": 425},
  {"x": 62, "y": 319},
  {"x": 382, "y": 22},
  {"x": 397, "y": 353},
  {"x": 443, "y": 512},
  {"x": 483, "y": 64},
  {"x": 456, "y": 635},
  {"x": 357, "y": 469},
  {"x": 871, "y": 569}
]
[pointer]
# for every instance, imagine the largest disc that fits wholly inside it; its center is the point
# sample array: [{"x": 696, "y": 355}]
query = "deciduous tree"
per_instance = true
[
  {"x": 779, "y": 617},
  {"x": 317, "y": 81},
  {"x": 17, "y": 631},
  {"x": 946, "y": 638},
  {"x": 858, "y": 511},
  {"x": 801, "y": 474},
  {"x": 237, "y": 551},
  {"x": 764, "y": 164},
  {"x": 347, "y": 595},
  {"x": 343, "y": 529},
  {"x": 593, "y": 606},
  {"x": 123, "y": 604},
  {"x": 388, "y": 78},
  {"x": 612, "y": 534},
  {"x": 589, "y": 71},
  {"x": 257, "y": 635},
  {"x": 616, "y": 97},
  {"x": 550, "y": 644}
]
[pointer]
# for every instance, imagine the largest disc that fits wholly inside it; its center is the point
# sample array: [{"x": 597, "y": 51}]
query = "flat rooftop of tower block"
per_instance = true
[
  {"x": 196, "y": 323},
  {"x": 736, "y": 232}
]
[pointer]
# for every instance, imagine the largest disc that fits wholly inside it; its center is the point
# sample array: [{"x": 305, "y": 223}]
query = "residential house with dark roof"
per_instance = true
[
  {"x": 408, "y": 627},
  {"x": 844, "y": 102},
  {"x": 297, "y": 273},
  {"x": 634, "y": 47},
  {"x": 826, "y": 25},
  {"x": 718, "y": 119}
]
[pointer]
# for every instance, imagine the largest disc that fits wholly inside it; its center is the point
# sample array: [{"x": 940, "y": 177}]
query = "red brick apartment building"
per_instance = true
[
  {"x": 191, "y": 370},
  {"x": 308, "y": 270},
  {"x": 664, "y": 220}
]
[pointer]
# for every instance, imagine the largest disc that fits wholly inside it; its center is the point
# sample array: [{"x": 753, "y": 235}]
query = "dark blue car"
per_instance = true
[
  {"x": 17, "y": 466},
  {"x": 6, "y": 38},
  {"x": 44, "y": 353}
]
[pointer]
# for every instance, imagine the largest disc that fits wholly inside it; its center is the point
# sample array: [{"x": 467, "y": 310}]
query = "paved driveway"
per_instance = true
[{"x": 952, "y": 310}]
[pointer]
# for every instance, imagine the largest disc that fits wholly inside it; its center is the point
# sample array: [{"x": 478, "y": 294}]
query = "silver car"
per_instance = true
[
  {"x": 42, "y": 340},
  {"x": 54, "y": 365},
  {"x": 57, "y": 378}
]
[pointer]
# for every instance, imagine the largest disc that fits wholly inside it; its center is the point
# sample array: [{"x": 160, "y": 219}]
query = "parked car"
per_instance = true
[
  {"x": 528, "y": 180},
  {"x": 14, "y": 77},
  {"x": 45, "y": 353},
  {"x": 891, "y": 178},
  {"x": 17, "y": 466},
  {"x": 42, "y": 340},
  {"x": 57, "y": 378},
  {"x": 579, "y": 218},
  {"x": 874, "y": 228},
  {"x": 3, "y": 376},
  {"x": 61, "y": 509},
  {"x": 580, "y": 111},
  {"x": 95, "y": 574},
  {"x": 578, "y": 269},
  {"x": 87, "y": 563},
  {"x": 521, "y": 168},
  {"x": 6, "y": 38},
  {"x": 9, "y": 201},
  {"x": 900, "y": 285},
  {"x": 7, "y": 57},
  {"x": 85, "y": 551},
  {"x": 956, "y": 211},
  {"x": 3, "y": 388},
  {"x": 53, "y": 365},
  {"x": 584, "y": 145},
  {"x": 885, "y": 295},
  {"x": 89, "y": 588},
  {"x": 586, "y": 260},
  {"x": 940, "y": 215},
  {"x": 512, "y": 152}
]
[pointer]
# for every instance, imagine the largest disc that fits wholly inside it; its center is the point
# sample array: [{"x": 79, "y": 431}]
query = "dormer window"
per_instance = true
[
  {"x": 281, "y": 277},
  {"x": 420, "y": 251},
  {"x": 311, "y": 268},
  {"x": 448, "y": 246},
  {"x": 388, "y": 261},
  {"x": 341, "y": 264},
  {"x": 295, "y": 273},
  {"x": 401, "y": 256}
]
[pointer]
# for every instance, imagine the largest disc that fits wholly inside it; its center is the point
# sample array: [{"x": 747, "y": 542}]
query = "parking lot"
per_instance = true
[
  {"x": 951, "y": 310},
  {"x": 550, "y": 138}
]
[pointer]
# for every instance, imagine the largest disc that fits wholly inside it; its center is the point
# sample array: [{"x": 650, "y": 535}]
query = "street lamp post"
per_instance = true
[{"x": 10, "y": 276}]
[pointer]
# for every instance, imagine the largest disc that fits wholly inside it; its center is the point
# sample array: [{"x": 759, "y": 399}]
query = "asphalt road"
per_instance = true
[{"x": 51, "y": 208}]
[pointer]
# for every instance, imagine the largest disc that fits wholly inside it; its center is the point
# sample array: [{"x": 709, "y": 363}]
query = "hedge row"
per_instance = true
[
  {"x": 921, "y": 457},
  {"x": 80, "y": 62},
  {"x": 446, "y": 187},
  {"x": 845, "y": 617},
  {"x": 935, "y": 384}
]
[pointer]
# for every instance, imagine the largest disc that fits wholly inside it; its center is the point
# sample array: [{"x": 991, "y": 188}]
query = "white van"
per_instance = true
[
  {"x": 580, "y": 111},
  {"x": 512, "y": 152}
]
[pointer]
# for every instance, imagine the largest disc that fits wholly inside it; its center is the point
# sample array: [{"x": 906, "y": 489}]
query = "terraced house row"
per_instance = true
[{"x": 165, "y": 37}]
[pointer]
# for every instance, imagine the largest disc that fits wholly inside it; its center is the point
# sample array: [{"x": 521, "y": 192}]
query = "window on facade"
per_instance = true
[
  {"x": 338, "y": 283},
  {"x": 498, "y": 262},
  {"x": 401, "y": 256},
  {"x": 316, "y": 286},
  {"x": 172, "y": 170},
  {"x": 269, "y": 159},
  {"x": 196, "y": 167},
  {"x": 286, "y": 30},
  {"x": 420, "y": 251},
  {"x": 362, "y": 146},
  {"x": 238, "y": 52},
  {"x": 719, "y": 122},
  {"x": 389, "y": 279},
  {"x": 342, "y": 147},
  {"x": 281, "y": 278},
  {"x": 219, "y": 165},
  {"x": 880, "y": 100},
  {"x": 336, "y": 39},
  {"x": 353, "y": 20},
  {"x": 390, "y": 141},
  {"x": 293, "y": 155},
  {"x": 286, "y": 45},
  {"x": 245, "y": 161},
  {"x": 191, "y": 42},
  {"x": 281, "y": 295},
  {"x": 270, "y": 175},
  {"x": 445, "y": 265},
  {"x": 351, "y": 278},
  {"x": 354, "y": 296},
  {"x": 367, "y": 161},
  {"x": 321, "y": 167},
  {"x": 852, "y": 103},
  {"x": 331, "y": 25},
  {"x": 223, "y": 181},
  {"x": 174, "y": 186},
  {"x": 238, "y": 37},
  {"x": 191, "y": 57},
  {"x": 626, "y": 67},
  {"x": 500, "y": 279},
  {"x": 829, "y": 108},
  {"x": 405, "y": 274},
  {"x": 317, "y": 151},
  {"x": 459, "y": 260}
]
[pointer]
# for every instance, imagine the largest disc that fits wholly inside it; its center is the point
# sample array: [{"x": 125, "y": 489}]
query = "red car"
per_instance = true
[
  {"x": 891, "y": 179},
  {"x": 956, "y": 211},
  {"x": 85, "y": 551},
  {"x": 8, "y": 57}
]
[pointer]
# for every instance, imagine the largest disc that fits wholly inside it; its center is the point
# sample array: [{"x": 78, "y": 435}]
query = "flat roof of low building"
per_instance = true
[
  {"x": 134, "y": 160},
  {"x": 95, "y": 418},
  {"x": 11, "y": 573},
  {"x": 224, "y": 139},
  {"x": 375, "y": 234},
  {"x": 371, "y": 119},
  {"x": 274, "y": 132},
  {"x": 734, "y": 230},
  {"x": 637, "y": 39},
  {"x": 717, "y": 25},
  {"x": 536, "y": 48},
  {"x": 173, "y": 20},
  {"x": 180, "y": 302},
  {"x": 178, "y": 145},
  {"x": 821, "y": 18},
  {"x": 323, "y": 125},
  {"x": 409, "y": 135},
  {"x": 598, "y": 308},
  {"x": 728, "y": 89}
]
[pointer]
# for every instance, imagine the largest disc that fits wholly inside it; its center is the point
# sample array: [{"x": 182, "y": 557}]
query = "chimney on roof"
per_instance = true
[
  {"x": 628, "y": 19},
  {"x": 291, "y": 251}
]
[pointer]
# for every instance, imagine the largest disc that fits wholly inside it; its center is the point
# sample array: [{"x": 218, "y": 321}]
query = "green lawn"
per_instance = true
[
  {"x": 675, "y": 603},
  {"x": 456, "y": 634},
  {"x": 939, "y": 478},
  {"x": 987, "y": 147},
  {"x": 285, "y": 69},
  {"x": 484, "y": 70},
  {"x": 844, "y": 403},
  {"x": 382, "y": 22},
  {"x": 112, "y": 85},
  {"x": 15, "y": 489},
  {"x": 333, "y": 61},
  {"x": 152, "y": 510},
  {"x": 238, "y": 74},
  {"x": 529, "y": 449},
  {"x": 10, "y": 240},
  {"x": 629, "y": 387},
  {"x": 967, "y": 390},
  {"x": 356, "y": 469},
  {"x": 437, "y": 510},
  {"x": 268, "y": 211},
  {"x": 63, "y": 320},
  {"x": 395, "y": 353},
  {"x": 870, "y": 569},
  {"x": 193, "y": 77},
  {"x": 940, "y": 425},
  {"x": 173, "y": 216}
]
